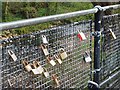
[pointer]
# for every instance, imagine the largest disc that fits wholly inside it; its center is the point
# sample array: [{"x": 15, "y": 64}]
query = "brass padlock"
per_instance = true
[
  {"x": 58, "y": 59},
  {"x": 38, "y": 67},
  {"x": 44, "y": 39},
  {"x": 45, "y": 51},
  {"x": 112, "y": 33},
  {"x": 12, "y": 54},
  {"x": 34, "y": 69},
  {"x": 87, "y": 57},
  {"x": 55, "y": 79},
  {"x": 27, "y": 66},
  {"x": 51, "y": 61},
  {"x": 46, "y": 73},
  {"x": 81, "y": 35},
  {"x": 62, "y": 53}
]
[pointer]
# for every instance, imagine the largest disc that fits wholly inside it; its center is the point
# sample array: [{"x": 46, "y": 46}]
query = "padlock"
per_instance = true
[
  {"x": 46, "y": 73},
  {"x": 11, "y": 81},
  {"x": 44, "y": 39},
  {"x": 38, "y": 67},
  {"x": 55, "y": 78},
  {"x": 45, "y": 51},
  {"x": 81, "y": 35},
  {"x": 34, "y": 69},
  {"x": 112, "y": 33},
  {"x": 27, "y": 66},
  {"x": 13, "y": 56},
  {"x": 58, "y": 59},
  {"x": 62, "y": 53},
  {"x": 51, "y": 61},
  {"x": 87, "y": 57}
]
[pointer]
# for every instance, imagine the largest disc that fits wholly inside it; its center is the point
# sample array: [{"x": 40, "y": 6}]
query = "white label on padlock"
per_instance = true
[
  {"x": 44, "y": 39},
  {"x": 88, "y": 59},
  {"x": 46, "y": 74},
  {"x": 63, "y": 55},
  {"x": 82, "y": 35},
  {"x": 52, "y": 62},
  {"x": 40, "y": 69},
  {"x": 59, "y": 60},
  {"x": 12, "y": 55},
  {"x": 28, "y": 68},
  {"x": 35, "y": 71},
  {"x": 45, "y": 52},
  {"x": 113, "y": 34}
]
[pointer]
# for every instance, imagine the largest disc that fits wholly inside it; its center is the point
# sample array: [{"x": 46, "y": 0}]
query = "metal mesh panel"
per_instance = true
[
  {"x": 110, "y": 49},
  {"x": 72, "y": 73}
]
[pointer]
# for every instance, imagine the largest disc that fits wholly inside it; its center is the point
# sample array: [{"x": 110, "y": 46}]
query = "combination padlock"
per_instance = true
[
  {"x": 27, "y": 66},
  {"x": 38, "y": 67},
  {"x": 45, "y": 51},
  {"x": 46, "y": 73},
  {"x": 12, "y": 54},
  {"x": 81, "y": 35},
  {"x": 44, "y": 39},
  {"x": 87, "y": 57},
  {"x": 112, "y": 33},
  {"x": 51, "y": 61},
  {"x": 58, "y": 59},
  {"x": 62, "y": 53},
  {"x": 55, "y": 79},
  {"x": 34, "y": 69}
]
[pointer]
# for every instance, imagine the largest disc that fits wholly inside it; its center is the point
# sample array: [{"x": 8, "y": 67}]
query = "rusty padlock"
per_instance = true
[
  {"x": 58, "y": 58},
  {"x": 46, "y": 73},
  {"x": 50, "y": 60},
  {"x": 112, "y": 33},
  {"x": 27, "y": 66},
  {"x": 87, "y": 57},
  {"x": 55, "y": 79},
  {"x": 38, "y": 67},
  {"x": 12, "y": 54},
  {"x": 44, "y": 39},
  {"x": 44, "y": 48},
  {"x": 62, "y": 53},
  {"x": 81, "y": 35}
]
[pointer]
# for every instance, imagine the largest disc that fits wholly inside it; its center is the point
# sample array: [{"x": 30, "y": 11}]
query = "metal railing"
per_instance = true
[{"x": 74, "y": 72}]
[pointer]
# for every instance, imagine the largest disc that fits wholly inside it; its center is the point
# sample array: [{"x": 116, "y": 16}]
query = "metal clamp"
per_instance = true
[
  {"x": 93, "y": 85},
  {"x": 96, "y": 70}
]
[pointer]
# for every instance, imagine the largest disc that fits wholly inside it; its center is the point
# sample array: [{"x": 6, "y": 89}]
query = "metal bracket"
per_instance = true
[
  {"x": 92, "y": 85},
  {"x": 96, "y": 70}
]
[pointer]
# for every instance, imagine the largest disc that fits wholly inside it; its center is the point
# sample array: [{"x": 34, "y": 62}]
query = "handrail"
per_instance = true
[{"x": 33, "y": 21}]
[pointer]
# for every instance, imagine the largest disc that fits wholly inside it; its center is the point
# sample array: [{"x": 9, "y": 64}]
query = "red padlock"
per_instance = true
[{"x": 81, "y": 36}]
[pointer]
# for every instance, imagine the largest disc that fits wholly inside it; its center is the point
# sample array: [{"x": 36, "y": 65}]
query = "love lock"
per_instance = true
[
  {"x": 58, "y": 59},
  {"x": 55, "y": 79},
  {"x": 45, "y": 51},
  {"x": 46, "y": 73},
  {"x": 38, "y": 67},
  {"x": 81, "y": 35},
  {"x": 27, "y": 66},
  {"x": 62, "y": 53},
  {"x": 44, "y": 39},
  {"x": 13, "y": 56},
  {"x": 51, "y": 61},
  {"x": 112, "y": 33},
  {"x": 87, "y": 57}
]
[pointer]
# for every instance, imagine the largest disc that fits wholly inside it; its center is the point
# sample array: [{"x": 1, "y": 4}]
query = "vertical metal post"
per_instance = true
[{"x": 97, "y": 44}]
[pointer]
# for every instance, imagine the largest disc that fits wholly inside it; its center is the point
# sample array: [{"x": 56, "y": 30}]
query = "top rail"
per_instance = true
[{"x": 33, "y": 21}]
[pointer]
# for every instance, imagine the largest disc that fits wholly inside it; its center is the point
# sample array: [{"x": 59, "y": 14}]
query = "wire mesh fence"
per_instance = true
[
  {"x": 70, "y": 72},
  {"x": 110, "y": 50}
]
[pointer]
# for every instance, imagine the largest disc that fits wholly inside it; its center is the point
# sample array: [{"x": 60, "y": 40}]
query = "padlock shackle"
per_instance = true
[
  {"x": 10, "y": 52},
  {"x": 36, "y": 63},
  {"x": 25, "y": 63},
  {"x": 62, "y": 50},
  {"x": 56, "y": 56},
  {"x": 45, "y": 69},
  {"x": 43, "y": 46},
  {"x": 33, "y": 66},
  {"x": 48, "y": 58}
]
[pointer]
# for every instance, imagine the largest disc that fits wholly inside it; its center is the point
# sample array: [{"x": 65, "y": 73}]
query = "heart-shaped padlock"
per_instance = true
[
  {"x": 45, "y": 51},
  {"x": 62, "y": 53},
  {"x": 12, "y": 54},
  {"x": 26, "y": 65},
  {"x": 51, "y": 61},
  {"x": 58, "y": 59}
]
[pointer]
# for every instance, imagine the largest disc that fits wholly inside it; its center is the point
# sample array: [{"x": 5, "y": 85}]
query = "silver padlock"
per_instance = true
[
  {"x": 112, "y": 33},
  {"x": 62, "y": 53},
  {"x": 12, "y": 54},
  {"x": 44, "y": 39},
  {"x": 51, "y": 61},
  {"x": 87, "y": 57},
  {"x": 27, "y": 66},
  {"x": 58, "y": 59},
  {"x": 46, "y": 73},
  {"x": 55, "y": 79},
  {"x": 45, "y": 51},
  {"x": 38, "y": 67}
]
